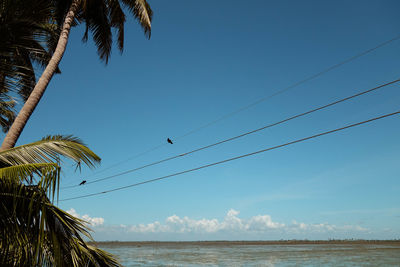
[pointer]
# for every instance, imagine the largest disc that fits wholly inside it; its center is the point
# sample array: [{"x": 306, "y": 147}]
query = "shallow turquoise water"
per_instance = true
[{"x": 181, "y": 254}]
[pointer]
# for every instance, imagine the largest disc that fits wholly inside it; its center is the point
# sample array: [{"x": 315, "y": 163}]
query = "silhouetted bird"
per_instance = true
[
  {"x": 83, "y": 182},
  {"x": 169, "y": 141}
]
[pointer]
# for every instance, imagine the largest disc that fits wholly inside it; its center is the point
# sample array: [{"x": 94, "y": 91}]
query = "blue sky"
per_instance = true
[{"x": 209, "y": 58}]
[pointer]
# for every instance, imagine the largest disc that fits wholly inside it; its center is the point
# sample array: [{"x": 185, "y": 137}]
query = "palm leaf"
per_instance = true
[
  {"x": 36, "y": 233},
  {"x": 98, "y": 22},
  {"x": 49, "y": 149},
  {"x": 7, "y": 112},
  {"x": 22, "y": 172},
  {"x": 141, "y": 10},
  {"x": 27, "y": 36},
  {"x": 117, "y": 20}
]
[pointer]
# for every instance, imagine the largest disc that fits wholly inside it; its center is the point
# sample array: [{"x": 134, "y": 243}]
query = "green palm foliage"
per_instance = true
[
  {"x": 27, "y": 39},
  {"x": 100, "y": 18},
  {"x": 7, "y": 111},
  {"x": 33, "y": 231}
]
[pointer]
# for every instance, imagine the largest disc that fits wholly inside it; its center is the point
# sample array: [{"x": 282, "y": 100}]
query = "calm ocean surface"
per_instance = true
[{"x": 226, "y": 254}]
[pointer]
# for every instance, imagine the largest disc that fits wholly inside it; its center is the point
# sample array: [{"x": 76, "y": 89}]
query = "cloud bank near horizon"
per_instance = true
[
  {"x": 231, "y": 227},
  {"x": 232, "y": 223}
]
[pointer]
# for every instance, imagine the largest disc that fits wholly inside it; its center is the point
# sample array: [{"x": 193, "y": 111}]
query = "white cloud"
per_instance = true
[
  {"x": 94, "y": 221},
  {"x": 232, "y": 226},
  {"x": 297, "y": 227},
  {"x": 263, "y": 222},
  {"x": 232, "y": 223}
]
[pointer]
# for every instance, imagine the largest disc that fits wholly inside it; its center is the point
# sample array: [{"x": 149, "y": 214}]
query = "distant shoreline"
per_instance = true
[{"x": 256, "y": 243}]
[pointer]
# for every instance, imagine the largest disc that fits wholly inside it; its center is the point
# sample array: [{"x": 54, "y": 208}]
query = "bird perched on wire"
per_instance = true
[
  {"x": 169, "y": 141},
  {"x": 83, "y": 182}
]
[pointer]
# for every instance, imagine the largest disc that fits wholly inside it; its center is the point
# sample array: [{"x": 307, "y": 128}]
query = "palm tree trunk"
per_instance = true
[{"x": 37, "y": 93}]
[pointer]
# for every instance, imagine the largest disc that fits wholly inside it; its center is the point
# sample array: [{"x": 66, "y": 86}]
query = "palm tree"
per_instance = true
[
  {"x": 100, "y": 17},
  {"x": 7, "y": 112},
  {"x": 34, "y": 232},
  {"x": 28, "y": 38}
]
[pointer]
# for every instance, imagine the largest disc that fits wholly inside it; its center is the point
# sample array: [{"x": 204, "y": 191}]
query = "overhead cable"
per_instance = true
[
  {"x": 238, "y": 136},
  {"x": 335, "y": 66},
  {"x": 234, "y": 158},
  {"x": 312, "y": 77}
]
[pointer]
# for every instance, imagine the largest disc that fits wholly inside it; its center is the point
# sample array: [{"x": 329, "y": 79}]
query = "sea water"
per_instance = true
[{"x": 226, "y": 254}]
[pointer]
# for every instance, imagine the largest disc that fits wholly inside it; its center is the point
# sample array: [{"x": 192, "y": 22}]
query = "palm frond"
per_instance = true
[
  {"x": 100, "y": 16},
  {"x": 27, "y": 35},
  {"x": 36, "y": 233},
  {"x": 7, "y": 111},
  {"x": 96, "y": 16},
  {"x": 141, "y": 10},
  {"x": 101, "y": 257},
  {"x": 117, "y": 20},
  {"x": 21, "y": 173},
  {"x": 49, "y": 149}
]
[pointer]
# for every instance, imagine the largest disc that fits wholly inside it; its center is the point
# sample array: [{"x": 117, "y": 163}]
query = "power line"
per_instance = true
[
  {"x": 234, "y": 158},
  {"x": 312, "y": 77},
  {"x": 117, "y": 164},
  {"x": 316, "y": 75},
  {"x": 239, "y": 136}
]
